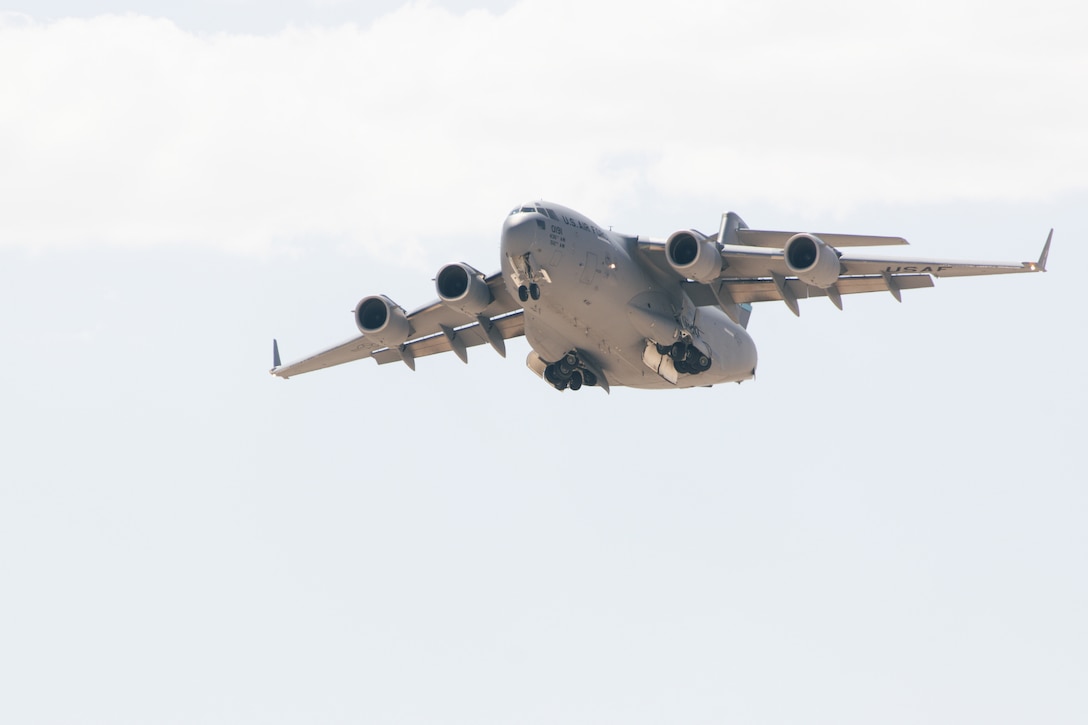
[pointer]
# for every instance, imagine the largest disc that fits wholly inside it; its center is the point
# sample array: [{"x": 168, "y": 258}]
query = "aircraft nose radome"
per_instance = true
[{"x": 519, "y": 233}]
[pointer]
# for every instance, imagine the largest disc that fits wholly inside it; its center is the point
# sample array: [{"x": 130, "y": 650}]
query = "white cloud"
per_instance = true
[{"x": 427, "y": 125}]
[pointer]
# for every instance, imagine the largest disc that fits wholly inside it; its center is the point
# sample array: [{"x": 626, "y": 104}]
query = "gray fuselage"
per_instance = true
[{"x": 603, "y": 299}]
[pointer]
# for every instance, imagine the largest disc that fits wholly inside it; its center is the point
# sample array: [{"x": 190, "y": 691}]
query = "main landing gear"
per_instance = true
[
  {"x": 686, "y": 358},
  {"x": 525, "y": 292},
  {"x": 569, "y": 373}
]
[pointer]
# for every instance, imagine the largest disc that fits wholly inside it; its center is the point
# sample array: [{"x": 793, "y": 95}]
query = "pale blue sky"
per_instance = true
[
  {"x": 240, "y": 16},
  {"x": 886, "y": 526}
]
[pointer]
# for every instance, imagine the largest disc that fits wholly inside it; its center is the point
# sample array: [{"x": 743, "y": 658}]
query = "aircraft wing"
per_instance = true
[
  {"x": 758, "y": 272},
  {"x": 435, "y": 328}
]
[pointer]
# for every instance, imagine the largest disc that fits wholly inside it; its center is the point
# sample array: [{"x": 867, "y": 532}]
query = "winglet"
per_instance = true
[
  {"x": 275, "y": 354},
  {"x": 1040, "y": 266}
]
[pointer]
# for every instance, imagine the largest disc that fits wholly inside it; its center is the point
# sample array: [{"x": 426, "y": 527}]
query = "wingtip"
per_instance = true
[
  {"x": 275, "y": 354},
  {"x": 1041, "y": 264}
]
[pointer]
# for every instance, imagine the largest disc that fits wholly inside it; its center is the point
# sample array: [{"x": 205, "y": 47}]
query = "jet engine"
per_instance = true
[
  {"x": 463, "y": 288},
  {"x": 815, "y": 262},
  {"x": 694, "y": 256},
  {"x": 382, "y": 321}
]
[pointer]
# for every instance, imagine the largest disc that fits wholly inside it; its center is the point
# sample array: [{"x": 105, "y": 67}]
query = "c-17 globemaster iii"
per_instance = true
[{"x": 605, "y": 309}]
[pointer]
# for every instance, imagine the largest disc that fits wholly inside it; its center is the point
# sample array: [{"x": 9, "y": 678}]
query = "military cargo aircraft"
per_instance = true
[{"x": 603, "y": 309}]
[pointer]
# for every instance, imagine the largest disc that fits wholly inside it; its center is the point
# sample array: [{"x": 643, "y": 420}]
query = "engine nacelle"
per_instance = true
[
  {"x": 815, "y": 262},
  {"x": 463, "y": 288},
  {"x": 694, "y": 256},
  {"x": 382, "y": 321}
]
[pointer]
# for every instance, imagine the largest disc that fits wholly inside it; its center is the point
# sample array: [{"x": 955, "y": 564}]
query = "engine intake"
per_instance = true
[
  {"x": 694, "y": 256},
  {"x": 815, "y": 262},
  {"x": 462, "y": 287},
  {"x": 382, "y": 321}
]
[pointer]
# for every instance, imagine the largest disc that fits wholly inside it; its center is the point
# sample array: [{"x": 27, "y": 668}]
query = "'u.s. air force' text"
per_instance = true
[{"x": 915, "y": 269}]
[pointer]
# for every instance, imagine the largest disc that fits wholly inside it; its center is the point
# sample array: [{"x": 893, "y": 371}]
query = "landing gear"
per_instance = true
[
  {"x": 569, "y": 372},
  {"x": 528, "y": 276},
  {"x": 686, "y": 358},
  {"x": 525, "y": 292}
]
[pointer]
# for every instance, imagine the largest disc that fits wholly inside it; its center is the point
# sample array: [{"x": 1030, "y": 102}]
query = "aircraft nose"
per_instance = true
[{"x": 519, "y": 233}]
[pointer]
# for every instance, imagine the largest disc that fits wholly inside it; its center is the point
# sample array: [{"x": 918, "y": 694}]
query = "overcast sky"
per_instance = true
[{"x": 887, "y": 525}]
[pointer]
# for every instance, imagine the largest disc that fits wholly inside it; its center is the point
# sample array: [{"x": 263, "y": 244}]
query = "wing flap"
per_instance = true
[
  {"x": 765, "y": 290},
  {"x": 511, "y": 325}
]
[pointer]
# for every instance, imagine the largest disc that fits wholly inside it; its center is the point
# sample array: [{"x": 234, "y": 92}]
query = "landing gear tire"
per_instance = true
[
  {"x": 534, "y": 291},
  {"x": 523, "y": 293},
  {"x": 568, "y": 372},
  {"x": 686, "y": 358}
]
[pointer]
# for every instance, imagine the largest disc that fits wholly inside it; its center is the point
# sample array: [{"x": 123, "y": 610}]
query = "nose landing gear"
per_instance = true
[
  {"x": 528, "y": 275},
  {"x": 527, "y": 291},
  {"x": 569, "y": 372}
]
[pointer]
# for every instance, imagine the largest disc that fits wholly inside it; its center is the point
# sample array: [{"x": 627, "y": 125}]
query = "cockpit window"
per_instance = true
[
  {"x": 552, "y": 214},
  {"x": 528, "y": 209}
]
